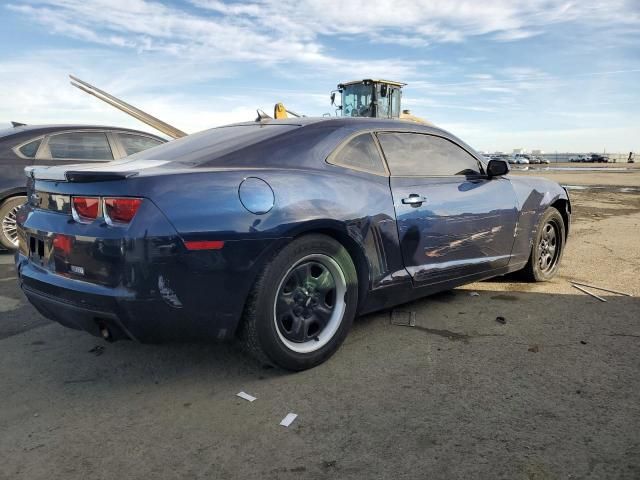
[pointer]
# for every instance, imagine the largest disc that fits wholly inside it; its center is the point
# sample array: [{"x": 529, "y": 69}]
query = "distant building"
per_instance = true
[
  {"x": 537, "y": 152},
  {"x": 518, "y": 151}
]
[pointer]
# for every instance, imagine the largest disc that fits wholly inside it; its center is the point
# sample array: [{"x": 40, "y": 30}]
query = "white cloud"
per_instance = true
[{"x": 290, "y": 30}]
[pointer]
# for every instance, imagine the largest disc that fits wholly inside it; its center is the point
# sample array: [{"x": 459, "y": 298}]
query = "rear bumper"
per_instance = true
[
  {"x": 85, "y": 318},
  {"x": 194, "y": 297},
  {"x": 125, "y": 313}
]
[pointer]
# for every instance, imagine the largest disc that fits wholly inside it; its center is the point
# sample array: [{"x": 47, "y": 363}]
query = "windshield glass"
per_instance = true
[{"x": 356, "y": 100}]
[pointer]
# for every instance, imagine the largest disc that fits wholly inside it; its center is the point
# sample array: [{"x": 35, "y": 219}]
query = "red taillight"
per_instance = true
[
  {"x": 204, "y": 244},
  {"x": 62, "y": 243},
  {"x": 121, "y": 210},
  {"x": 85, "y": 209}
]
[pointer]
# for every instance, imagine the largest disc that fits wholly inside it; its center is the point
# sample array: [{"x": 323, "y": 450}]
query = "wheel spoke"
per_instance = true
[
  {"x": 302, "y": 274},
  {"x": 552, "y": 235},
  {"x": 325, "y": 282},
  {"x": 322, "y": 314},
  {"x": 285, "y": 303},
  {"x": 298, "y": 331}
]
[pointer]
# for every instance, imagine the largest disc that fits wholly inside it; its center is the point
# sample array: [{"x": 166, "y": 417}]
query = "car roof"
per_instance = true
[
  {"x": 51, "y": 128},
  {"x": 292, "y": 142},
  {"x": 354, "y": 123}
]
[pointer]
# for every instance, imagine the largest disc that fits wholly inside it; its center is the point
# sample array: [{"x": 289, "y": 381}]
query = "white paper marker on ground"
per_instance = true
[
  {"x": 288, "y": 420},
  {"x": 246, "y": 396}
]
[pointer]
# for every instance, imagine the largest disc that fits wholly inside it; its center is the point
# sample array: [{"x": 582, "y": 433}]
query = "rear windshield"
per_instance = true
[{"x": 214, "y": 143}]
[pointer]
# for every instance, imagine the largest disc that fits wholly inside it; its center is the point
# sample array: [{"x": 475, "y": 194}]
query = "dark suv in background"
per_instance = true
[{"x": 25, "y": 145}]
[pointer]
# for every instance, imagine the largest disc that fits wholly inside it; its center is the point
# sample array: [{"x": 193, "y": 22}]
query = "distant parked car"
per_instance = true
[
  {"x": 597, "y": 158},
  {"x": 24, "y": 145},
  {"x": 579, "y": 159},
  {"x": 520, "y": 159}
]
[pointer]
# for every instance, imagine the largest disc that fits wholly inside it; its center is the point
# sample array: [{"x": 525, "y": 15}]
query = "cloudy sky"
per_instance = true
[{"x": 556, "y": 75}]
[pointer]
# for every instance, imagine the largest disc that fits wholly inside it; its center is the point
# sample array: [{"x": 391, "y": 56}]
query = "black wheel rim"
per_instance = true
[
  {"x": 306, "y": 301},
  {"x": 549, "y": 246}
]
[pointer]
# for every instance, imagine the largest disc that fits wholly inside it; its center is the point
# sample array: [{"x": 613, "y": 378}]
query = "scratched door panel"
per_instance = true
[{"x": 464, "y": 226}]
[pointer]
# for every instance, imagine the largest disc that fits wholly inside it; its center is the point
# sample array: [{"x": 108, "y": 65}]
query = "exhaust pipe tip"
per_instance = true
[{"x": 105, "y": 333}]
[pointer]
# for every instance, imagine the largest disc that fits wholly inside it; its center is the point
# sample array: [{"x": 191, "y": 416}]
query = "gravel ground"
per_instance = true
[{"x": 554, "y": 392}]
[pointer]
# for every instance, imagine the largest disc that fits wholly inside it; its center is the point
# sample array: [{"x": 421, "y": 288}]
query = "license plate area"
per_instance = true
[{"x": 39, "y": 250}]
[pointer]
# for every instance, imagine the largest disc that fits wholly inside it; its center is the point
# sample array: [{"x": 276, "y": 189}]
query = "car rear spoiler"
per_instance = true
[
  {"x": 84, "y": 177},
  {"x": 80, "y": 173}
]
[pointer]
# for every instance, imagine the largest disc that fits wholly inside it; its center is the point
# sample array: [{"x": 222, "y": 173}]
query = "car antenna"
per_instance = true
[{"x": 262, "y": 116}]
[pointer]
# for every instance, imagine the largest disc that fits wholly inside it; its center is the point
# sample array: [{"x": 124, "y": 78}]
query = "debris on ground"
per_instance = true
[
  {"x": 97, "y": 350},
  {"x": 603, "y": 289},
  {"x": 403, "y": 318},
  {"x": 501, "y": 320},
  {"x": 246, "y": 396},
  {"x": 583, "y": 342},
  {"x": 534, "y": 348},
  {"x": 474, "y": 294},
  {"x": 288, "y": 420},
  {"x": 588, "y": 292}
]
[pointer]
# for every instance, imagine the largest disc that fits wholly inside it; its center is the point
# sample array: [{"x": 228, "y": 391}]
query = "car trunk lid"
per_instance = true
[{"x": 115, "y": 170}]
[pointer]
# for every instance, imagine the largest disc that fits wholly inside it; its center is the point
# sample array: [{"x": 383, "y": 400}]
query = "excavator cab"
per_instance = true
[{"x": 370, "y": 98}]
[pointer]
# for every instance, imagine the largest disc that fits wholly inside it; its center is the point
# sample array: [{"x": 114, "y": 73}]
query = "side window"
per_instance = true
[
  {"x": 136, "y": 143},
  {"x": 360, "y": 153},
  {"x": 395, "y": 102},
  {"x": 30, "y": 149},
  {"x": 80, "y": 146},
  {"x": 415, "y": 154}
]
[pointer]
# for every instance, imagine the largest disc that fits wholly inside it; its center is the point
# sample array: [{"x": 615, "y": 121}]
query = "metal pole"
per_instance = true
[
  {"x": 588, "y": 292},
  {"x": 150, "y": 120},
  {"x": 603, "y": 289}
]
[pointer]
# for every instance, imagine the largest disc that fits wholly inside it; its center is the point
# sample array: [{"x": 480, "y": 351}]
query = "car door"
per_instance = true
[
  {"x": 452, "y": 220},
  {"x": 79, "y": 146}
]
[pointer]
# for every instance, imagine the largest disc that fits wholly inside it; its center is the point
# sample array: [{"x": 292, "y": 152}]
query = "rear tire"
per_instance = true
[
  {"x": 302, "y": 305},
  {"x": 547, "y": 248},
  {"x": 8, "y": 226}
]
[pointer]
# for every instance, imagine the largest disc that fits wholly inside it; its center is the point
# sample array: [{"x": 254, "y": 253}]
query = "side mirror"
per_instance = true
[
  {"x": 383, "y": 91},
  {"x": 333, "y": 98},
  {"x": 497, "y": 168}
]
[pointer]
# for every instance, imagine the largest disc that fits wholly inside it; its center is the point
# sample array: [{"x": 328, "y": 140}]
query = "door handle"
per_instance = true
[{"x": 414, "y": 200}]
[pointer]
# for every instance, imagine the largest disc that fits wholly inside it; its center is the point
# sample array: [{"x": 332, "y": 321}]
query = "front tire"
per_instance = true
[
  {"x": 302, "y": 304},
  {"x": 547, "y": 248},
  {"x": 8, "y": 231}
]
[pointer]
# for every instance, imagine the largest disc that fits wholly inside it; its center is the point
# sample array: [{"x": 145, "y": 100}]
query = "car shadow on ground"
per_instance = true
[{"x": 451, "y": 315}]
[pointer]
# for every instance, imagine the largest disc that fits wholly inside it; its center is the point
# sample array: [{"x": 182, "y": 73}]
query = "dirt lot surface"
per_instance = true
[{"x": 552, "y": 393}]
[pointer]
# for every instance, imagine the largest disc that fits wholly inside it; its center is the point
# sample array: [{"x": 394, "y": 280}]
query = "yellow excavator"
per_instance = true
[{"x": 360, "y": 98}]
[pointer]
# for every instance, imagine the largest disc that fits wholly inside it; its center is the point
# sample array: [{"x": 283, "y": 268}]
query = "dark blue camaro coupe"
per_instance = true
[{"x": 278, "y": 233}]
